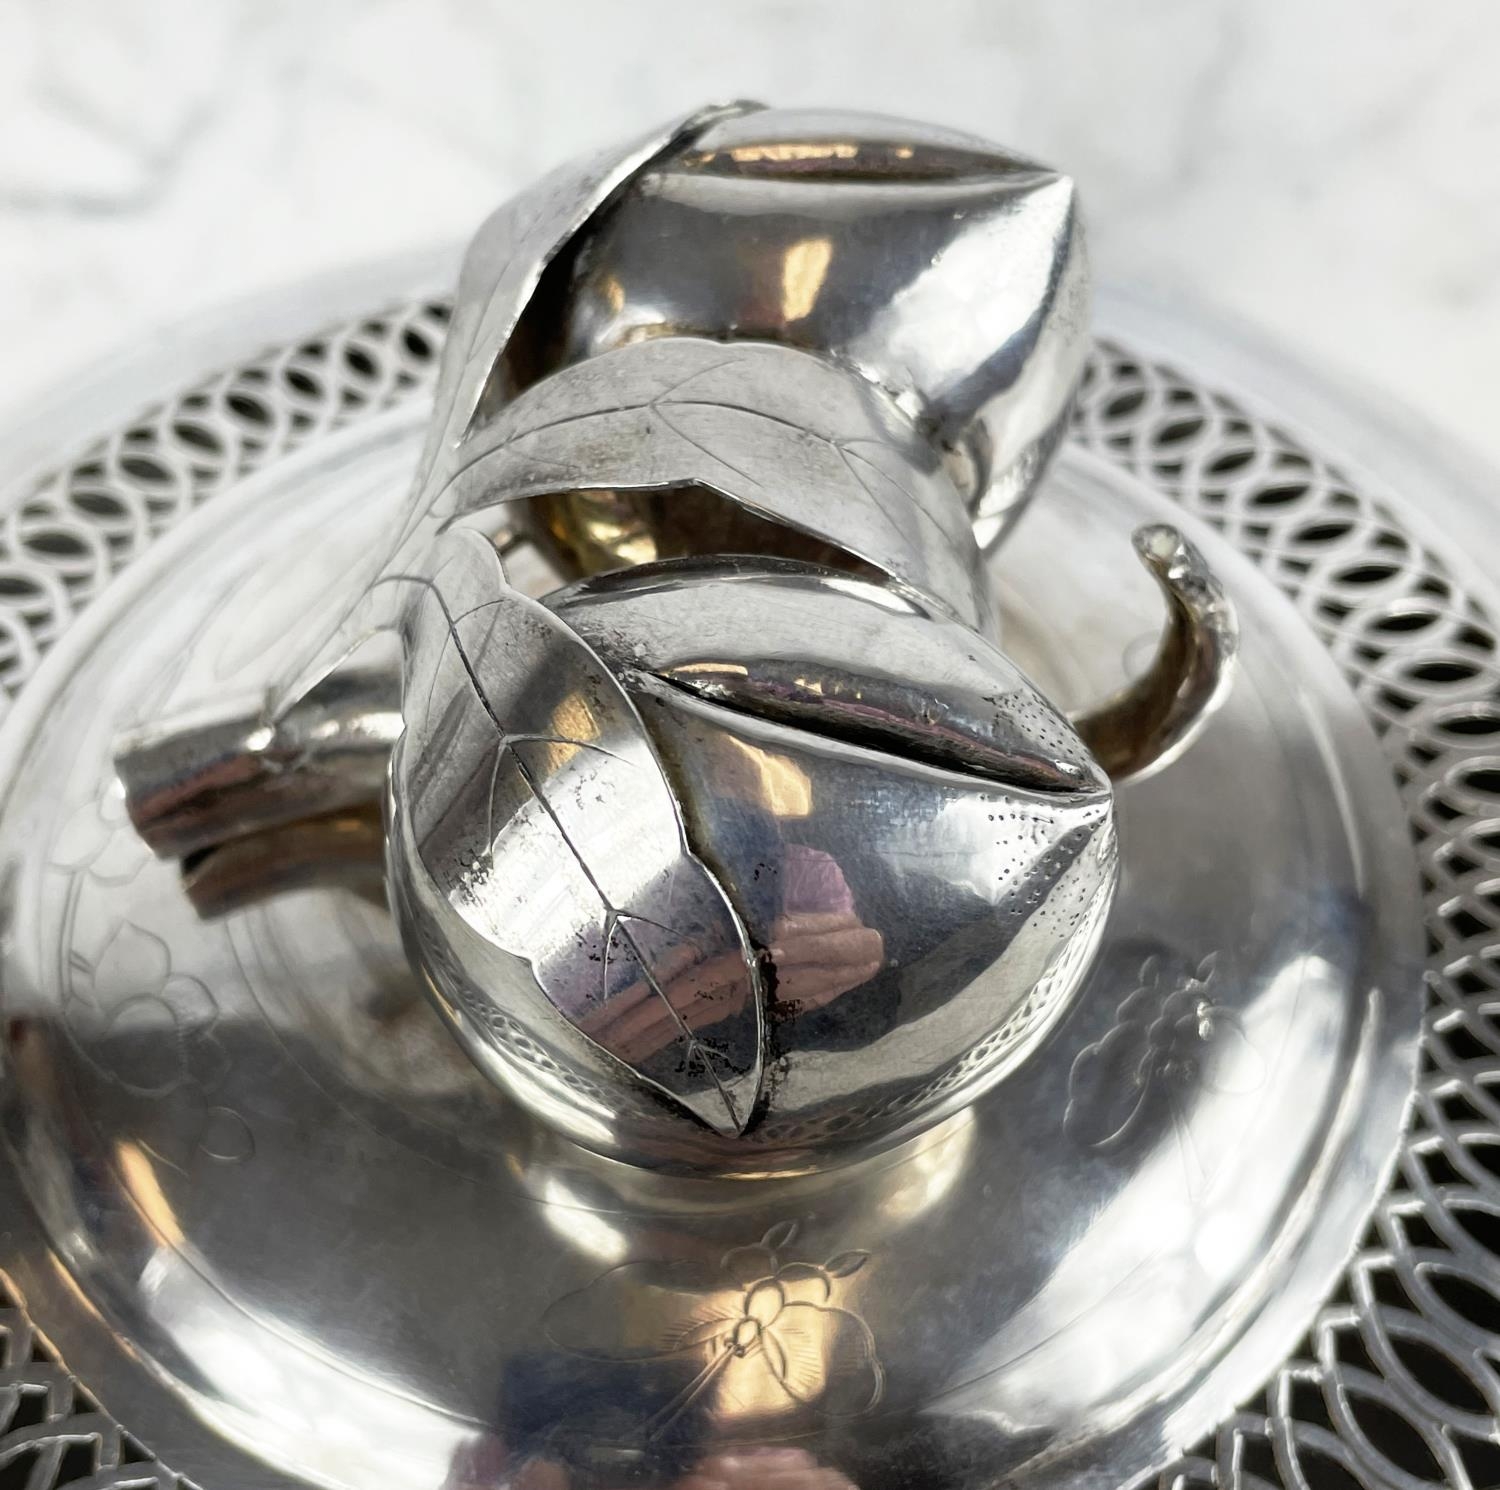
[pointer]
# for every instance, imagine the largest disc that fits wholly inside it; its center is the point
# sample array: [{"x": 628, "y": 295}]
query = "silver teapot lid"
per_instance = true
[{"x": 935, "y": 997}]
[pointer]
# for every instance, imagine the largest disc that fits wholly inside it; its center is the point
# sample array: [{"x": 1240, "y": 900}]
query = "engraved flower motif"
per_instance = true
[
  {"x": 758, "y": 1336},
  {"x": 97, "y": 839},
  {"x": 153, "y": 1023},
  {"x": 151, "y": 1030},
  {"x": 1169, "y": 1032}
]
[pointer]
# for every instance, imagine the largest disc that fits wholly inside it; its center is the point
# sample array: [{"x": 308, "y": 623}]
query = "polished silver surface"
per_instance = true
[
  {"x": 936, "y": 286},
  {"x": 1391, "y": 1378},
  {"x": 331, "y": 1253},
  {"x": 1159, "y": 713},
  {"x": 261, "y": 1200},
  {"x": 702, "y": 909},
  {"x": 229, "y": 772},
  {"x": 950, "y": 272}
]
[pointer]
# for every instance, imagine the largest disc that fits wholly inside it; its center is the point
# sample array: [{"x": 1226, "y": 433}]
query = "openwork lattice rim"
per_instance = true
[{"x": 1396, "y": 1382}]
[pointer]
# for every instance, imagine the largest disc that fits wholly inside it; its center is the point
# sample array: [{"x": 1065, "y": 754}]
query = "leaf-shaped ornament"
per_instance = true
[
  {"x": 503, "y": 267},
  {"x": 534, "y": 803},
  {"x": 790, "y": 435},
  {"x": 501, "y": 271}
]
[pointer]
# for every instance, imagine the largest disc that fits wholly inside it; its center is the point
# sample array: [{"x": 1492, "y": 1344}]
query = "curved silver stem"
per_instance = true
[
  {"x": 198, "y": 780},
  {"x": 1153, "y": 720}
]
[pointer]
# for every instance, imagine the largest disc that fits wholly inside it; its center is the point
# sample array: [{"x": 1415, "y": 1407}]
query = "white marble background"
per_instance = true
[{"x": 1330, "y": 169}]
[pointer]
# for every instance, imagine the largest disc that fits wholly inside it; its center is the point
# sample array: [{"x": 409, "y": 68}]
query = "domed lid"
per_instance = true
[
  {"x": 248, "y": 1140},
  {"x": 288, "y": 1233}
]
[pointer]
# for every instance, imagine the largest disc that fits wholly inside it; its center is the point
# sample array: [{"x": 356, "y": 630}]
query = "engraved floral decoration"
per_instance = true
[
  {"x": 758, "y": 1337},
  {"x": 98, "y": 840},
  {"x": 1169, "y": 1034},
  {"x": 152, "y": 1017},
  {"x": 140, "y": 1022}
]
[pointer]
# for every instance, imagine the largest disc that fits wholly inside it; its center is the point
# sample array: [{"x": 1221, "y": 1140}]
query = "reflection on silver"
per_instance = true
[
  {"x": 228, "y": 772},
  {"x": 258, "y": 1198},
  {"x": 948, "y": 272},
  {"x": 760, "y": 779},
  {"x": 1149, "y": 724},
  {"x": 726, "y": 838}
]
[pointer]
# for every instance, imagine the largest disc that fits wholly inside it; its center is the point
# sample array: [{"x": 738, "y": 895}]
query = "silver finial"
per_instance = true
[{"x": 744, "y": 845}]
